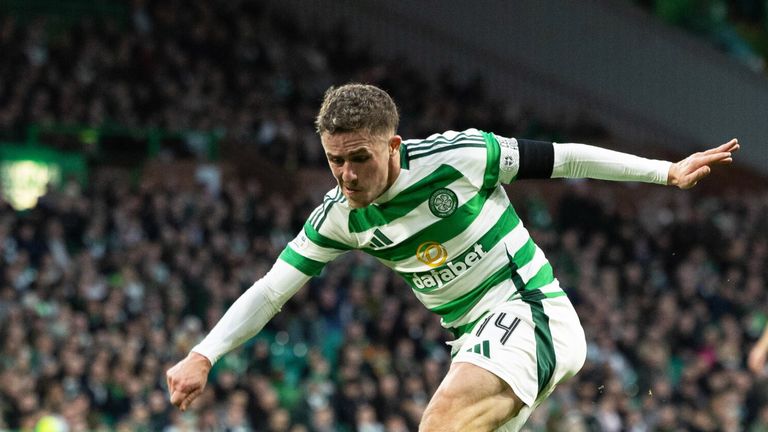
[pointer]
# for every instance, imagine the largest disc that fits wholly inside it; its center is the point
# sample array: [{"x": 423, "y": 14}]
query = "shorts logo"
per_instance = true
[
  {"x": 432, "y": 254},
  {"x": 443, "y": 202},
  {"x": 484, "y": 349}
]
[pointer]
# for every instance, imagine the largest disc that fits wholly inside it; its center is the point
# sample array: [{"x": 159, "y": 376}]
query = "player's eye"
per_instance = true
[{"x": 360, "y": 159}]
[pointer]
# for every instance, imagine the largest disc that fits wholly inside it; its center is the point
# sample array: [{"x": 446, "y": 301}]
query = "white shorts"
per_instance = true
[{"x": 531, "y": 345}]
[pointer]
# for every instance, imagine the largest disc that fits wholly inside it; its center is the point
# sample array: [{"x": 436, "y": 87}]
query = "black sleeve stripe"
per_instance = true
[{"x": 537, "y": 158}]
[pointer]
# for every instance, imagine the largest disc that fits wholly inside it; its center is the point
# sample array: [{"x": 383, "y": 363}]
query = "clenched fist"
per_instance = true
[{"x": 186, "y": 380}]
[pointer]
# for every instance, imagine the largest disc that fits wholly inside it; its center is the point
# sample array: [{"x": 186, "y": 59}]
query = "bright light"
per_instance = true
[{"x": 24, "y": 181}]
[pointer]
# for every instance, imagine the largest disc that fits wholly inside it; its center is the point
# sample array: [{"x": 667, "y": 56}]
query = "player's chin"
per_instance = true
[{"x": 357, "y": 202}]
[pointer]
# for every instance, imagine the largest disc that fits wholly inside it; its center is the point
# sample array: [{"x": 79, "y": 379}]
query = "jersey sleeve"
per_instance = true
[
  {"x": 584, "y": 161},
  {"x": 320, "y": 241},
  {"x": 252, "y": 310},
  {"x": 474, "y": 153},
  {"x": 322, "y": 238}
]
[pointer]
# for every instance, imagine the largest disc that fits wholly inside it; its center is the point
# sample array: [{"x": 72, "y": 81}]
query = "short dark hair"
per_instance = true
[{"x": 354, "y": 107}]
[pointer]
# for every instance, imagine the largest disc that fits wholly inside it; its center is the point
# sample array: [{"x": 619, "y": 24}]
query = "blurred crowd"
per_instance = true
[
  {"x": 105, "y": 286},
  {"x": 229, "y": 66}
]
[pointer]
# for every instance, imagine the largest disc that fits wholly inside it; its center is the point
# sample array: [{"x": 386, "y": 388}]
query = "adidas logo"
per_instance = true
[
  {"x": 483, "y": 348},
  {"x": 379, "y": 240}
]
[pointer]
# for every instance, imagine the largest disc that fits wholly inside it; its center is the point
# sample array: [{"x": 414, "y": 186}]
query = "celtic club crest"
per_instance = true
[{"x": 443, "y": 202}]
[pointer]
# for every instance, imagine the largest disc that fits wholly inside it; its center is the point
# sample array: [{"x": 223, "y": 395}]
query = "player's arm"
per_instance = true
[
  {"x": 301, "y": 259},
  {"x": 538, "y": 159},
  {"x": 579, "y": 161},
  {"x": 243, "y": 320},
  {"x": 757, "y": 355},
  {"x": 251, "y": 312}
]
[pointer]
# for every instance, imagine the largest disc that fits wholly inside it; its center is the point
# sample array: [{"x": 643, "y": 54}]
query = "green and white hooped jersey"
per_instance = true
[{"x": 446, "y": 226}]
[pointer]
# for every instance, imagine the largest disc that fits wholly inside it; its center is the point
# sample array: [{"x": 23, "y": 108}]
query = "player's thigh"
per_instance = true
[
  {"x": 526, "y": 348},
  {"x": 470, "y": 398}
]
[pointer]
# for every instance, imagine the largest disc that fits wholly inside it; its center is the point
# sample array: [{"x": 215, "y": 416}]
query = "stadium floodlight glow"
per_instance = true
[{"x": 24, "y": 181}]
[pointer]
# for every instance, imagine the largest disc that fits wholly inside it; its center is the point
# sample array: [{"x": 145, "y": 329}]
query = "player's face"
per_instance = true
[{"x": 364, "y": 165}]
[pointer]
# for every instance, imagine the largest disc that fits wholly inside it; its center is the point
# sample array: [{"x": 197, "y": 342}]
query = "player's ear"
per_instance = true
[{"x": 394, "y": 144}]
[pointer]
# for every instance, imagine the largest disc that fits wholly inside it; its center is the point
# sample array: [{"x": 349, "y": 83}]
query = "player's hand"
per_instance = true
[
  {"x": 186, "y": 380},
  {"x": 756, "y": 359},
  {"x": 686, "y": 173}
]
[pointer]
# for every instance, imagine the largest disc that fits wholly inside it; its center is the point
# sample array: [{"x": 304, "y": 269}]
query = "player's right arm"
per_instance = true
[
  {"x": 243, "y": 320},
  {"x": 302, "y": 258}
]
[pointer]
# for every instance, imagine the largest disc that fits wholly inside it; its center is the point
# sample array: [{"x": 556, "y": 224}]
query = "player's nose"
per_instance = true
[{"x": 348, "y": 175}]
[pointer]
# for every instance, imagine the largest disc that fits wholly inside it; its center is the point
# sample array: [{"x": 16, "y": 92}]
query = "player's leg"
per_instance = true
[
  {"x": 470, "y": 398},
  {"x": 508, "y": 364},
  {"x": 493, "y": 375},
  {"x": 569, "y": 348}
]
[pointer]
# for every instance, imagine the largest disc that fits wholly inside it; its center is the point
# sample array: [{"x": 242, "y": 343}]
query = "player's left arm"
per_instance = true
[
  {"x": 584, "y": 161},
  {"x": 526, "y": 159}
]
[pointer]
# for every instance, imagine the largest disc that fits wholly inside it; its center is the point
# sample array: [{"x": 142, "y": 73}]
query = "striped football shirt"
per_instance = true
[{"x": 445, "y": 225}]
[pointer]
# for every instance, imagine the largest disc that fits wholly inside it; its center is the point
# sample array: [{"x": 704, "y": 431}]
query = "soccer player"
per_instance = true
[{"x": 434, "y": 211}]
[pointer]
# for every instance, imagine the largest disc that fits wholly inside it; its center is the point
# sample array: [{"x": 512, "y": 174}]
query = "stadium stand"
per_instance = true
[
  {"x": 106, "y": 284},
  {"x": 739, "y": 28}
]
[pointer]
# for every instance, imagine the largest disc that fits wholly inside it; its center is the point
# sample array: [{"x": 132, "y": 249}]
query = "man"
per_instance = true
[{"x": 435, "y": 212}]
